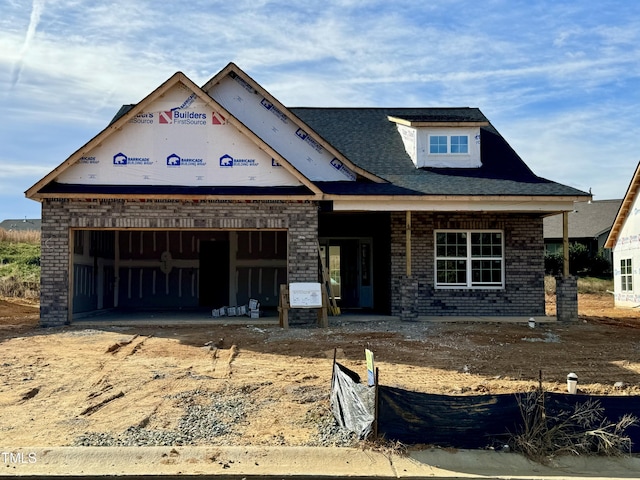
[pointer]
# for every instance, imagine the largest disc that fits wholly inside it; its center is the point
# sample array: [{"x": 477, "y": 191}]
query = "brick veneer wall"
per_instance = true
[
  {"x": 59, "y": 216},
  {"x": 567, "y": 299},
  {"x": 524, "y": 266}
]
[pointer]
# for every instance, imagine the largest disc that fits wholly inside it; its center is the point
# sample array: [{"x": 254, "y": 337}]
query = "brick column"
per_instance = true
[
  {"x": 54, "y": 272},
  {"x": 408, "y": 299},
  {"x": 303, "y": 253},
  {"x": 567, "y": 299}
]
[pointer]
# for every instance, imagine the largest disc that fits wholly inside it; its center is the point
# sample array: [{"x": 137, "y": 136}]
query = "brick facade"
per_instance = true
[
  {"x": 523, "y": 256},
  {"x": 300, "y": 219},
  {"x": 411, "y": 297}
]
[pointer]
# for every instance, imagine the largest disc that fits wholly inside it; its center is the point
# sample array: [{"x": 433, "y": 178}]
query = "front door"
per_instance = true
[{"x": 348, "y": 261}]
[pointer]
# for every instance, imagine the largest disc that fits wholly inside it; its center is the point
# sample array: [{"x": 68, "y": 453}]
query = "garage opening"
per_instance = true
[{"x": 134, "y": 270}]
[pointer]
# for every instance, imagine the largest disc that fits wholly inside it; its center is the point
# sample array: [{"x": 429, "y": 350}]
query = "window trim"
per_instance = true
[
  {"x": 448, "y": 137},
  {"x": 469, "y": 258},
  {"x": 626, "y": 275}
]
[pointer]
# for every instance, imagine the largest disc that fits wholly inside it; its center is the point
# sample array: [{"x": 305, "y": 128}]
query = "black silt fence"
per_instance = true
[{"x": 477, "y": 421}]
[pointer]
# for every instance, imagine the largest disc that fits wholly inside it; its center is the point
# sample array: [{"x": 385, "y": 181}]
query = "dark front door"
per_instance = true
[
  {"x": 214, "y": 274},
  {"x": 350, "y": 294},
  {"x": 348, "y": 262}
]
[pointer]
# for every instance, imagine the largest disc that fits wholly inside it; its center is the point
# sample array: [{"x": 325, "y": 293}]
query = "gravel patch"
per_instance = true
[
  {"x": 208, "y": 418},
  {"x": 212, "y": 419}
]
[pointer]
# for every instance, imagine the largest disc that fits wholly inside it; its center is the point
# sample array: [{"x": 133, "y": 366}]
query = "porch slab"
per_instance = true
[
  {"x": 489, "y": 319},
  {"x": 184, "y": 318}
]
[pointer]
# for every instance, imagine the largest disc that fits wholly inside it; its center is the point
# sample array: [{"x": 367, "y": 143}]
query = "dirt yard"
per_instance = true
[{"x": 261, "y": 385}]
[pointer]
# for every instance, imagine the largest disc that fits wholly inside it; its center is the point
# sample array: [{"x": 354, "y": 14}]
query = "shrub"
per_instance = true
[
  {"x": 580, "y": 262},
  {"x": 553, "y": 264},
  {"x": 578, "y": 258}
]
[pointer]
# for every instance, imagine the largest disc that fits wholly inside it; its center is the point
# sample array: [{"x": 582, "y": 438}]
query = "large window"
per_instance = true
[
  {"x": 469, "y": 259},
  {"x": 444, "y": 144},
  {"x": 626, "y": 275}
]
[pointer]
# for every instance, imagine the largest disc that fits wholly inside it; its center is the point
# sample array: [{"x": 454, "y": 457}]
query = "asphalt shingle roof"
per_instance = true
[
  {"x": 367, "y": 138},
  {"x": 588, "y": 220},
  {"x": 11, "y": 224}
]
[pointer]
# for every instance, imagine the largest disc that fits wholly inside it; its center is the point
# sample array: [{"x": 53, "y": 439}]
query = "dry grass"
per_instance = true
[
  {"x": 388, "y": 448},
  {"x": 14, "y": 287},
  {"x": 582, "y": 431},
  {"x": 585, "y": 285},
  {"x": 20, "y": 236}
]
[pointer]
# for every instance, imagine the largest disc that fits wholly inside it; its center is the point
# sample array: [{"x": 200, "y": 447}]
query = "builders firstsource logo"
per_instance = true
[
  {"x": 166, "y": 117},
  {"x": 181, "y": 116},
  {"x": 146, "y": 118},
  {"x": 218, "y": 119}
]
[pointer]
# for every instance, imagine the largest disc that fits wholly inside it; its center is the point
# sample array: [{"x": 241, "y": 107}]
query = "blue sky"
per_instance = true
[{"x": 559, "y": 79}]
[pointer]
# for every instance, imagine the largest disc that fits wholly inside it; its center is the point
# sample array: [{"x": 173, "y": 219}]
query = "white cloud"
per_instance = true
[
  {"x": 22, "y": 171},
  {"x": 558, "y": 79}
]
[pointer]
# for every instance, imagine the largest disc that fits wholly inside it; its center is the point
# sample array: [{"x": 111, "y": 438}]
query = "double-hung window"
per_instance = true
[
  {"x": 626, "y": 275},
  {"x": 469, "y": 259},
  {"x": 448, "y": 144}
]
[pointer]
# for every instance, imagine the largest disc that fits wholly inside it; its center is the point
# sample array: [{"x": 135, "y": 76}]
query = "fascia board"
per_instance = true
[
  {"x": 135, "y": 197},
  {"x": 540, "y": 205},
  {"x": 416, "y": 124}
]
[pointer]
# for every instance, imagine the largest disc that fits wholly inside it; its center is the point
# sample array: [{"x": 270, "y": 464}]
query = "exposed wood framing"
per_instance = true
[
  {"x": 565, "y": 244},
  {"x": 408, "y": 240}
]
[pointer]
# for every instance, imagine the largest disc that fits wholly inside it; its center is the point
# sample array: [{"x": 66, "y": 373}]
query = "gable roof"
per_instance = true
[
  {"x": 587, "y": 220},
  {"x": 47, "y": 187},
  {"x": 625, "y": 208}
]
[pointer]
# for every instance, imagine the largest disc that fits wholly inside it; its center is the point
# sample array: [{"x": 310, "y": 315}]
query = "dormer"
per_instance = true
[{"x": 442, "y": 140}]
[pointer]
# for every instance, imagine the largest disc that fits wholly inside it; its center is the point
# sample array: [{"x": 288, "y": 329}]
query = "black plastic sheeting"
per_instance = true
[
  {"x": 478, "y": 421},
  {"x": 352, "y": 402}
]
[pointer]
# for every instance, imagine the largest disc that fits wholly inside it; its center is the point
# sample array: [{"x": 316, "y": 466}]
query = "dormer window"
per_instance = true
[
  {"x": 445, "y": 145},
  {"x": 442, "y": 138},
  {"x": 459, "y": 144},
  {"x": 438, "y": 144}
]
